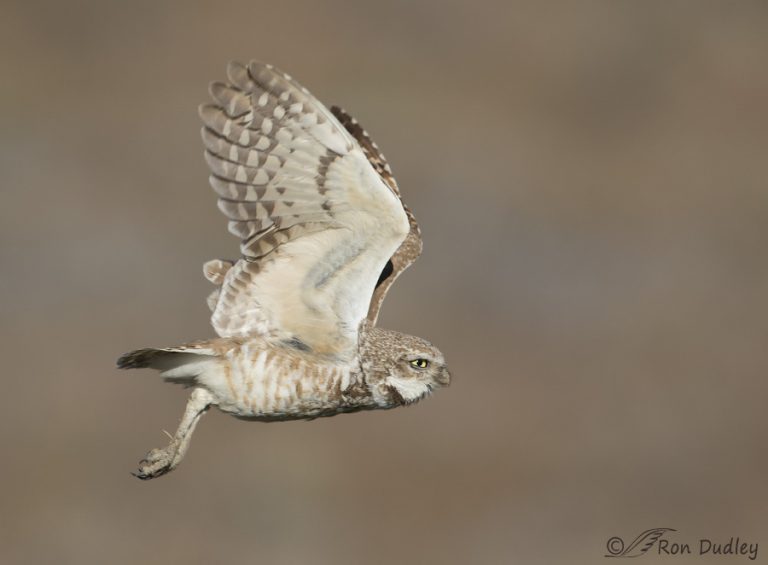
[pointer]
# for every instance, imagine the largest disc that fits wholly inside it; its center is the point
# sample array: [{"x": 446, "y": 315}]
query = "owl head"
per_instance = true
[{"x": 400, "y": 368}]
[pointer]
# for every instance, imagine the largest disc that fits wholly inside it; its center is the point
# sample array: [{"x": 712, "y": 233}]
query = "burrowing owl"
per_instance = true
[{"x": 324, "y": 234}]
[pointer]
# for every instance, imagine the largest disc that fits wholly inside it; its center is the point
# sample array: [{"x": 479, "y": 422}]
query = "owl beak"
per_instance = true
[{"x": 444, "y": 377}]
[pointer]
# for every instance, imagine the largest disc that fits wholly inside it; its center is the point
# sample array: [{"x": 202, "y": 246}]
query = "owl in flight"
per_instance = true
[{"x": 323, "y": 235}]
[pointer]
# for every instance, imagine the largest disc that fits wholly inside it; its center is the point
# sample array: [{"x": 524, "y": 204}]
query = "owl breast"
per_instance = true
[{"x": 262, "y": 381}]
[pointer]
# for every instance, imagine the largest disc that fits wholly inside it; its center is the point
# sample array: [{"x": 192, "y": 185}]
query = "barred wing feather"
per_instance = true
[{"x": 317, "y": 222}]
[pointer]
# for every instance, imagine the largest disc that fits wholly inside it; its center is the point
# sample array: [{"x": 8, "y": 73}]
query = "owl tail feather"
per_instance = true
[{"x": 178, "y": 364}]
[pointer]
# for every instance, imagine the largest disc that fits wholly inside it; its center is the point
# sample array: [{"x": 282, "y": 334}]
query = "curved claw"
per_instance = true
[{"x": 156, "y": 463}]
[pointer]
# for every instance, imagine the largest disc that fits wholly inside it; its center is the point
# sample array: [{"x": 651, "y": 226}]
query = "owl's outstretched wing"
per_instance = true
[
  {"x": 317, "y": 222},
  {"x": 411, "y": 247}
]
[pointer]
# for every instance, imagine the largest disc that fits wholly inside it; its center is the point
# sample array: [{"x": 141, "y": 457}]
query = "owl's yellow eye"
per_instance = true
[{"x": 420, "y": 363}]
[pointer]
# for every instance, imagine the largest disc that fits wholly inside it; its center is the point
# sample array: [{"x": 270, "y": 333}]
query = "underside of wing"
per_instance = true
[
  {"x": 316, "y": 221},
  {"x": 411, "y": 247}
]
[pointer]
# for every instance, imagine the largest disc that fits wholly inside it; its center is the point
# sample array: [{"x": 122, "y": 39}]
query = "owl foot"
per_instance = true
[{"x": 158, "y": 462}]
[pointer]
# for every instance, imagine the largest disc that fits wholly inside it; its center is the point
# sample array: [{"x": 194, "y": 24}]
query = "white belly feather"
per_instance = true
[{"x": 257, "y": 380}]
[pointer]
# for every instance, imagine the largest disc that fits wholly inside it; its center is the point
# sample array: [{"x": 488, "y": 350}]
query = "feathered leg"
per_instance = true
[{"x": 161, "y": 461}]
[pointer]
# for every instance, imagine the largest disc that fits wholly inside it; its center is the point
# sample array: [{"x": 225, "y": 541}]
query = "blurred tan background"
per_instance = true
[{"x": 591, "y": 183}]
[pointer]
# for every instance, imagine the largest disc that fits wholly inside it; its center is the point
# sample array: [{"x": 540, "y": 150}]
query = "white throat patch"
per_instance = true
[{"x": 409, "y": 389}]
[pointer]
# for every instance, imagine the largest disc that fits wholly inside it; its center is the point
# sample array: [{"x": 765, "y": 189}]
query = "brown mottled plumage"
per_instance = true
[{"x": 324, "y": 234}]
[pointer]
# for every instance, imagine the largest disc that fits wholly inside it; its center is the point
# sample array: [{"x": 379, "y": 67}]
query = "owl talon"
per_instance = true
[{"x": 156, "y": 463}]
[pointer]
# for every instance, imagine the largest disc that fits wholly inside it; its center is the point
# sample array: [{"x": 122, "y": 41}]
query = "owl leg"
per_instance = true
[{"x": 161, "y": 461}]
